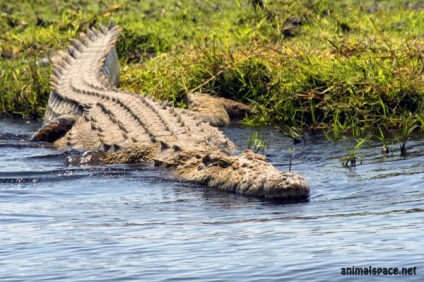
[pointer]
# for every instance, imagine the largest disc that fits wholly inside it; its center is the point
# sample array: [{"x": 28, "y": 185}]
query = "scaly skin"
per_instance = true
[{"x": 87, "y": 111}]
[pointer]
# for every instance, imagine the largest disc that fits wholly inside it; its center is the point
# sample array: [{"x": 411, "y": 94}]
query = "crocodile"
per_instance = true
[{"x": 86, "y": 110}]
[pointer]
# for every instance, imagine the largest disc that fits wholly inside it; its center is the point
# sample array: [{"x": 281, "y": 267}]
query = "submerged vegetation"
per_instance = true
[{"x": 340, "y": 66}]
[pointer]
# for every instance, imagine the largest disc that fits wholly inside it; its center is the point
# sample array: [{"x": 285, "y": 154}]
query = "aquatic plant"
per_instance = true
[
  {"x": 408, "y": 125},
  {"x": 256, "y": 143},
  {"x": 295, "y": 133},
  {"x": 351, "y": 159},
  {"x": 382, "y": 136}
]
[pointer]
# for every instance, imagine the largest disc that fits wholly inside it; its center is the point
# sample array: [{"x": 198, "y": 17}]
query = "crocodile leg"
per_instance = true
[
  {"x": 217, "y": 111},
  {"x": 55, "y": 129}
]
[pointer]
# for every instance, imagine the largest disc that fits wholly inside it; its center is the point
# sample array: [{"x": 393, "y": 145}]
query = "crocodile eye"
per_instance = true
[
  {"x": 207, "y": 160},
  {"x": 224, "y": 163}
]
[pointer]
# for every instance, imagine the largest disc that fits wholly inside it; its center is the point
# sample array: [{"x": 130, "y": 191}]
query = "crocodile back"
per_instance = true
[{"x": 84, "y": 85}]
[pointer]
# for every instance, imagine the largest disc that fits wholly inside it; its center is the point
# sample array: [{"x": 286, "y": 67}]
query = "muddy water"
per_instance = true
[{"x": 138, "y": 223}]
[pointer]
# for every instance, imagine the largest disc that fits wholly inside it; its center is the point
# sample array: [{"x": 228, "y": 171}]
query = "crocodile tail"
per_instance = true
[
  {"x": 110, "y": 64},
  {"x": 108, "y": 69}
]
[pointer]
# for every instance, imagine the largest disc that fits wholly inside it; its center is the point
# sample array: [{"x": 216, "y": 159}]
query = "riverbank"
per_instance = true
[{"x": 337, "y": 66}]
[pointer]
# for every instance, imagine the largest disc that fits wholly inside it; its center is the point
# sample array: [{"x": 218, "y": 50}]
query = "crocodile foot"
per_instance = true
[{"x": 217, "y": 111}]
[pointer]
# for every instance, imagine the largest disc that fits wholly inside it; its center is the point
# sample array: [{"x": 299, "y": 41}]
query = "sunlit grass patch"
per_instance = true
[{"x": 319, "y": 65}]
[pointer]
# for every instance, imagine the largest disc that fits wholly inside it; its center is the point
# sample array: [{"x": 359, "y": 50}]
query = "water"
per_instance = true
[{"x": 139, "y": 223}]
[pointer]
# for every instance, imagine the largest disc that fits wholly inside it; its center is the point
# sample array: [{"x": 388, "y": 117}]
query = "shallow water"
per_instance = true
[{"x": 132, "y": 222}]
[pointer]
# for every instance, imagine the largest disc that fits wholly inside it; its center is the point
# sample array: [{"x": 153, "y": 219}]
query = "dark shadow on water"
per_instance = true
[{"x": 229, "y": 198}]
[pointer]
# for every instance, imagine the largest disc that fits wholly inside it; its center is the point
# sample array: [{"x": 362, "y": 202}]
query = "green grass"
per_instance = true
[
  {"x": 342, "y": 66},
  {"x": 256, "y": 143}
]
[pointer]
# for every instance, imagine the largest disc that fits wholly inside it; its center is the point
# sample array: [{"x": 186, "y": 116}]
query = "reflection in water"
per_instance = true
[{"x": 136, "y": 222}]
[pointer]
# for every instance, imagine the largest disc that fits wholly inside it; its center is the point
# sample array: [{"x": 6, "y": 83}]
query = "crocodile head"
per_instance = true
[{"x": 247, "y": 173}]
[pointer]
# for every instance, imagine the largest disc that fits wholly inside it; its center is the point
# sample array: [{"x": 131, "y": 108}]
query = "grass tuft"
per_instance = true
[{"x": 341, "y": 66}]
